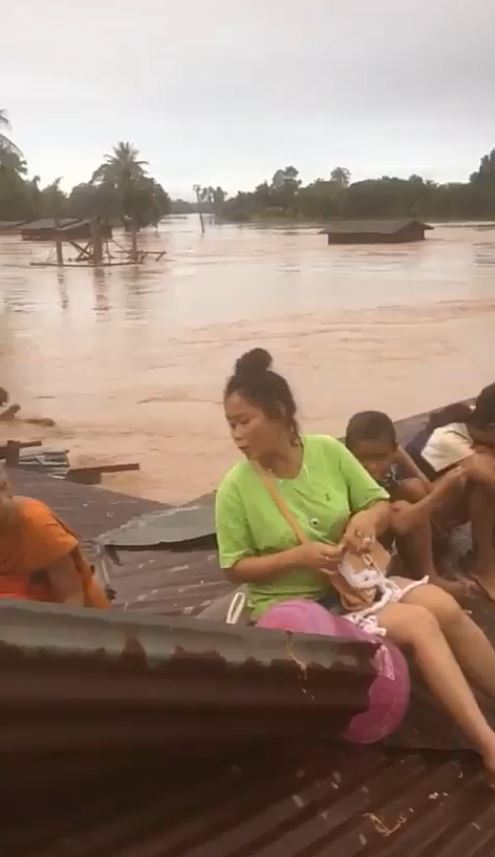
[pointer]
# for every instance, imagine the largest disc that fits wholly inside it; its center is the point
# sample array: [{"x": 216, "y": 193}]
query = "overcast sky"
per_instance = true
[{"x": 226, "y": 91}]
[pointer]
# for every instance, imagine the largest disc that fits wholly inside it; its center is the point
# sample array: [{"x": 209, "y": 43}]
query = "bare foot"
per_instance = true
[
  {"x": 458, "y": 588},
  {"x": 488, "y": 758},
  {"x": 485, "y": 578}
]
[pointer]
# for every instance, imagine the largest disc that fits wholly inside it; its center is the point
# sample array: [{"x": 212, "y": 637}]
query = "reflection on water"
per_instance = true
[{"x": 130, "y": 361}]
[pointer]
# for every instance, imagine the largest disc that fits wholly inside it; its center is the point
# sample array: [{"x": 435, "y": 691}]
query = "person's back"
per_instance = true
[
  {"x": 40, "y": 557},
  {"x": 465, "y": 437},
  {"x": 444, "y": 441}
]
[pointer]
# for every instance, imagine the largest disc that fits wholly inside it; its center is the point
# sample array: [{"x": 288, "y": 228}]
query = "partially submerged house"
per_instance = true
[
  {"x": 376, "y": 231},
  {"x": 9, "y": 226},
  {"x": 69, "y": 228}
]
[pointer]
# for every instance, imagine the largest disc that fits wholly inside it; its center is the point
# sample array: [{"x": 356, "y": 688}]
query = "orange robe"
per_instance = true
[{"x": 30, "y": 546}]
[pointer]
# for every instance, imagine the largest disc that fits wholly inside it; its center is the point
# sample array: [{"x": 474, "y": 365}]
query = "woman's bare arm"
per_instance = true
[
  {"x": 366, "y": 525},
  {"x": 312, "y": 555}
]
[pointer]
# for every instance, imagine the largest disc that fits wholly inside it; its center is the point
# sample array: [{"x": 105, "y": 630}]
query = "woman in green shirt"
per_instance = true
[{"x": 339, "y": 507}]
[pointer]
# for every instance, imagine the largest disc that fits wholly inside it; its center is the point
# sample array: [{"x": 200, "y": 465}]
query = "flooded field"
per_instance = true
[{"x": 130, "y": 362}]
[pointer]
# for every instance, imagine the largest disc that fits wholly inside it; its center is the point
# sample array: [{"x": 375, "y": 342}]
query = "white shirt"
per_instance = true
[{"x": 447, "y": 446}]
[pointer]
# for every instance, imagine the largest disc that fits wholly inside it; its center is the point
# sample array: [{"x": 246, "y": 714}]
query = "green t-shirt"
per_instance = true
[{"x": 330, "y": 487}]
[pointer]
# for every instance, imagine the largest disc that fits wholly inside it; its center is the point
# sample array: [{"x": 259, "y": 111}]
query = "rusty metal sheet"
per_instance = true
[
  {"x": 84, "y": 679},
  {"x": 289, "y": 801}
]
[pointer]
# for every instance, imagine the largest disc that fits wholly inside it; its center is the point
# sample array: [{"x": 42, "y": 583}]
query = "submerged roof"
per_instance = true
[
  {"x": 10, "y": 224},
  {"x": 372, "y": 227},
  {"x": 50, "y": 223}
]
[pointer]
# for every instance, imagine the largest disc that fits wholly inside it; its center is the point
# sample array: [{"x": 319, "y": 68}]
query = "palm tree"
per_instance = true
[
  {"x": 123, "y": 172},
  {"x": 5, "y": 142},
  {"x": 120, "y": 168},
  {"x": 11, "y": 158}
]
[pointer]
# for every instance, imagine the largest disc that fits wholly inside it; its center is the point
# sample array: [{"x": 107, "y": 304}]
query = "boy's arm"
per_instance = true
[
  {"x": 411, "y": 468},
  {"x": 406, "y": 516}
]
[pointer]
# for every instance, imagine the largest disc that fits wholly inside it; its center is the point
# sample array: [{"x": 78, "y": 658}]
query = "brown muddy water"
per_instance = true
[{"x": 130, "y": 362}]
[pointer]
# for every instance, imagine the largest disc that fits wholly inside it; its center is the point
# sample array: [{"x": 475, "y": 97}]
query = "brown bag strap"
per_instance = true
[
  {"x": 351, "y": 599},
  {"x": 282, "y": 506}
]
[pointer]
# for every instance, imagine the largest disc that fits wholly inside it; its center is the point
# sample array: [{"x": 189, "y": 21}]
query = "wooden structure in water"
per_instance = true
[
  {"x": 396, "y": 231},
  {"x": 91, "y": 241},
  {"x": 49, "y": 228}
]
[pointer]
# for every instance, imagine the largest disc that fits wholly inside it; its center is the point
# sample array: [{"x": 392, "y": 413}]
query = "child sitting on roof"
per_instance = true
[
  {"x": 372, "y": 438},
  {"x": 40, "y": 558},
  {"x": 460, "y": 437}
]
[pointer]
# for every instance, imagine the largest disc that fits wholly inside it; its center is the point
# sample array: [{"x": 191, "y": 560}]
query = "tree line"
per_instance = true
[
  {"x": 337, "y": 197},
  {"x": 120, "y": 188}
]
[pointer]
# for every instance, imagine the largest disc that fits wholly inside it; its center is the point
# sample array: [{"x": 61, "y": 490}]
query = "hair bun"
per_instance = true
[{"x": 253, "y": 362}]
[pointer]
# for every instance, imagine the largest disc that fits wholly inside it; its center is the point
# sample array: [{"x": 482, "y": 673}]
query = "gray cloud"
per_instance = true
[{"x": 228, "y": 90}]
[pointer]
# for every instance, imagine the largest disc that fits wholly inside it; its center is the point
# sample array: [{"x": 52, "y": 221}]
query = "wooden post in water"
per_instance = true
[
  {"x": 58, "y": 243},
  {"x": 197, "y": 190},
  {"x": 96, "y": 242},
  {"x": 134, "y": 247}
]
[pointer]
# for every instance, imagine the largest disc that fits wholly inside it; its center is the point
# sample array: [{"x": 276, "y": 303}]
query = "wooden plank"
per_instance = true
[
  {"x": 83, "y": 251},
  {"x": 91, "y": 475}
]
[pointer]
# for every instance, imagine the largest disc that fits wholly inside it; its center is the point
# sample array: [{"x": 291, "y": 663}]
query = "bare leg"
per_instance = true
[
  {"x": 416, "y": 626},
  {"x": 482, "y": 516},
  {"x": 416, "y": 550},
  {"x": 469, "y": 644}
]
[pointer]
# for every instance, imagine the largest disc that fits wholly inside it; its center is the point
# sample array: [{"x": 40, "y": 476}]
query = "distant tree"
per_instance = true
[
  {"x": 182, "y": 206},
  {"x": 52, "y": 200},
  {"x": 15, "y": 199},
  {"x": 219, "y": 197},
  {"x": 263, "y": 194},
  {"x": 282, "y": 178},
  {"x": 5, "y": 142},
  {"x": 285, "y": 183},
  {"x": 483, "y": 186},
  {"x": 11, "y": 158},
  {"x": 486, "y": 171},
  {"x": 320, "y": 200},
  {"x": 121, "y": 167},
  {"x": 341, "y": 176},
  {"x": 34, "y": 193},
  {"x": 125, "y": 189},
  {"x": 210, "y": 199}
]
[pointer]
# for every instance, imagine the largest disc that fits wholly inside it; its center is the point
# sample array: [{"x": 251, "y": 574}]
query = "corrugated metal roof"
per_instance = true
[
  {"x": 293, "y": 802},
  {"x": 371, "y": 227},
  {"x": 100, "y": 680},
  {"x": 10, "y": 224},
  {"x": 49, "y": 223}
]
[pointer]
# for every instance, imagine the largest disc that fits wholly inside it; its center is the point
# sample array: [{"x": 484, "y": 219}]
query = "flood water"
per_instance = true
[{"x": 130, "y": 361}]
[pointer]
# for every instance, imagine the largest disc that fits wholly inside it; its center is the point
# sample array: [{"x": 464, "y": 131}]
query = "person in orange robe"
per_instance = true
[{"x": 40, "y": 557}]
